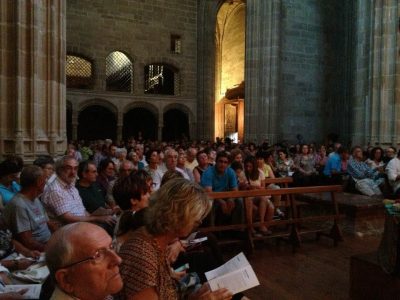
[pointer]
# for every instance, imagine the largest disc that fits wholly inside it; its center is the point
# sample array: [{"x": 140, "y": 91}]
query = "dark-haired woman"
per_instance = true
[{"x": 256, "y": 180}]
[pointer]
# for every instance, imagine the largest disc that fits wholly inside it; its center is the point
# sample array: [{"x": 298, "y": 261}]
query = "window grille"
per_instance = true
[
  {"x": 176, "y": 44},
  {"x": 160, "y": 79},
  {"x": 119, "y": 72},
  {"x": 79, "y": 72}
]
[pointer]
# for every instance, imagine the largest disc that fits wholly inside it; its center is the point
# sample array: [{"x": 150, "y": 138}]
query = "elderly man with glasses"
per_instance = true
[{"x": 83, "y": 263}]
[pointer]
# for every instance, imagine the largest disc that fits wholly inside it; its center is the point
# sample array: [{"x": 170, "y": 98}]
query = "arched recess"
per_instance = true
[
  {"x": 230, "y": 68},
  {"x": 78, "y": 71},
  {"x": 69, "y": 120},
  {"x": 97, "y": 122},
  {"x": 176, "y": 125},
  {"x": 140, "y": 120}
]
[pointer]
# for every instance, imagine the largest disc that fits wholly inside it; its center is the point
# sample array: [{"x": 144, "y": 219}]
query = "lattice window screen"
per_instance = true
[
  {"x": 119, "y": 72},
  {"x": 79, "y": 72}
]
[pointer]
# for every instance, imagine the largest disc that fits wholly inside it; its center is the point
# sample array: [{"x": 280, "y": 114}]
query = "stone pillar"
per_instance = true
[
  {"x": 160, "y": 125},
  {"x": 206, "y": 22},
  {"x": 32, "y": 78},
  {"x": 262, "y": 70},
  {"x": 75, "y": 122},
  {"x": 120, "y": 125},
  {"x": 376, "y": 107}
]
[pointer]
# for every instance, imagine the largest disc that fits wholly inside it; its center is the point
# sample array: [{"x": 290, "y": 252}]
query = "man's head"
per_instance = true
[
  {"x": 125, "y": 168},
  {"x": 191, "y": 154},
  {"x": 139, "y": 149},
  {"x": 357, "y": 153},
  {"x": 46, "y": 162},
  {"x": 390, "y": 152},
  {"x": 87, "y": 171},
  {"x": 33, "y": 179},
  {"x": 66, "y": 169},
  {"x": 9, "y": 172},
  {"x": 171, "y": 159},
  {"x": 112, "y": 151},
  {"x": 82, "y": 261},
  {"x": 222, "y": 161}
]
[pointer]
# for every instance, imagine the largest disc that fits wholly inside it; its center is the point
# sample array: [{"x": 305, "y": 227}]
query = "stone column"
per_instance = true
[
  {"x": 120, "y": 125},
  {"x": 206, "y": 23},
  {"x": 262, "y": 70},
  {"x": 160, "y": 125},
  {"x": 75, "y": 122},
  {"x": 376, "y": 107},
  {"x": 32, "y": 78}
]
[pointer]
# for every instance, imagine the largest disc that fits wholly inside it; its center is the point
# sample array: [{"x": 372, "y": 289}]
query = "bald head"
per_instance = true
[{"x": 82, "y": 261}]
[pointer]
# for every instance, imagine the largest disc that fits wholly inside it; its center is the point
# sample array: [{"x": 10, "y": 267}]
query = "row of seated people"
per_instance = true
[{"x": 65, "y": 203}]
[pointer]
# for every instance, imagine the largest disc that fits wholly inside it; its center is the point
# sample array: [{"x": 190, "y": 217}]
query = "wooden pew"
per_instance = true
[{"x": 294, "y": 220}]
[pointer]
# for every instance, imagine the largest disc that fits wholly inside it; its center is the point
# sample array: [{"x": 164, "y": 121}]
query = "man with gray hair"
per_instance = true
[
  {"x": 62, "y": 199},
  {"x": 83, "y": 263},
  {"x": 25, "y": 215}
]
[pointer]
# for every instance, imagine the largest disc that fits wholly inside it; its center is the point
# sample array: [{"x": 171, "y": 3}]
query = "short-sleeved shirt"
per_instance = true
[
  {"x": 333, "y": 163},
  {"x": 6, "y": 193},
  {"x": 144, "y": 265},
  {"x": 22, "y": 214},
  {"x": 219, "y": 183},
  {"x": 92, "y": 197},
  {"x": 60, "y": 198},
  {"x": 257, "y": 182}
]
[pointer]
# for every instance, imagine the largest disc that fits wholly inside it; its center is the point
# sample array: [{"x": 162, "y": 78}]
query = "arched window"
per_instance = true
[
  {"x": 161, "y": 79},
  {"x": 119, "y": 72},
  {"x": 79, "y": 72}
]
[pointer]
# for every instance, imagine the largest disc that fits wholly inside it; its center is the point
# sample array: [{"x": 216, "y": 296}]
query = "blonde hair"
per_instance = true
[{"x": 175, "y": 205}]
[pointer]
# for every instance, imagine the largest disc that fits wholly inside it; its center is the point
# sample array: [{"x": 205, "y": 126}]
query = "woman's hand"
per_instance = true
[
  {"x": 204, "y": 293},
  {"x": 173, "y": 251}
]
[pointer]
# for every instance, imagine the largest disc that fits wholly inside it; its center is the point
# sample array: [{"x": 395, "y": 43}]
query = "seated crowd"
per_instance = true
[{"x": 111, "y": 218}]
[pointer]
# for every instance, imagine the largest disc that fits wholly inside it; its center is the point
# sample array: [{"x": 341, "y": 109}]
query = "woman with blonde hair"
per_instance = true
[{"x": 175, "y": 210}]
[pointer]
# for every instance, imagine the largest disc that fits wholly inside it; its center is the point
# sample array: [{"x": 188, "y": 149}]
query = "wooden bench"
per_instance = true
[{"x": 294, "y": 220}]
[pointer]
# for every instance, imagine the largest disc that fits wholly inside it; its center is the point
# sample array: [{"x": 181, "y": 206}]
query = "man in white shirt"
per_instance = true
[{"x": 393, "y": 173}]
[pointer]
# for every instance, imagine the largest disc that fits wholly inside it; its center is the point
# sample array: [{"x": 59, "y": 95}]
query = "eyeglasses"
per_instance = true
[{"x": 97, "y": 257}]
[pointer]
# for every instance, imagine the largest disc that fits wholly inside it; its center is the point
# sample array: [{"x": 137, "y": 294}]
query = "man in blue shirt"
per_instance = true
[
  {"x": 221, "y": 178},
  {"x": 333, "y": 167}
]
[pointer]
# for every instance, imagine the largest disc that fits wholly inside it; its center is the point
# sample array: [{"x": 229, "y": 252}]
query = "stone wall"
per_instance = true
[
  {"x": 311, "y": 66},
  {"x": 142, "y": 30}
]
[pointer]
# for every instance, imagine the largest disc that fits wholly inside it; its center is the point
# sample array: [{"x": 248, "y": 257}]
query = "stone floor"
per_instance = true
[{"x": 318, "y": 270}]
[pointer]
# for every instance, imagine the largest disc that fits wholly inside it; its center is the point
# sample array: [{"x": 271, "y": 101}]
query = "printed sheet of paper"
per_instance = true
[
  {"x": 236, "y": 275},
  {"x": 32, "y": 293}
]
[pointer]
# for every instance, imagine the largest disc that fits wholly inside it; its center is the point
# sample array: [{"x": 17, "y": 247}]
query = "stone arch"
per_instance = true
[
  {"x": 177, "y": 119},
  {"x": 96, "y": 121},
  {"x": 140, "y": 120},
  {"x": 102, "y": 102}
]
